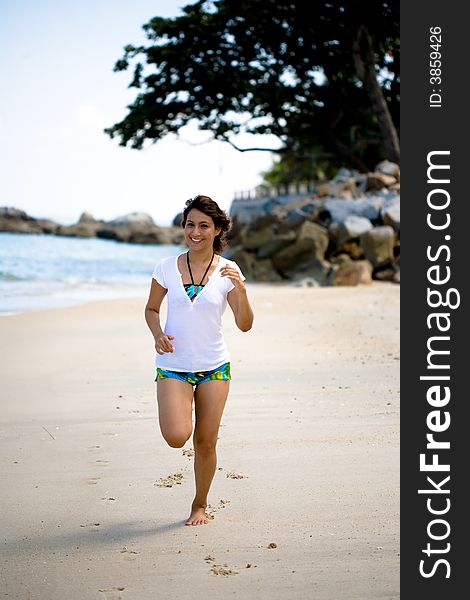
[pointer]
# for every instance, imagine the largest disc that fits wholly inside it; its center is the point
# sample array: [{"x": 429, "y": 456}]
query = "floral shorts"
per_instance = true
[{"x": 222, "y": 372}]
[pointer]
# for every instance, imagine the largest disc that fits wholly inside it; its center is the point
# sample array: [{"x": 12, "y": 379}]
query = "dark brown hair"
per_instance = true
[{"x": 219, "y": 216}]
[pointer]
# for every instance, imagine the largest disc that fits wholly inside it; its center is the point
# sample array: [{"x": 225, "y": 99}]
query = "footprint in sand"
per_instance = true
[
  {"x": 223, "y": 570},
  {"x": 129, "y": 554},
  {"x": 209, "y": 558},
  {"x": 211, "y": 510},
  {"x": 233, "y": 475},
  {"x": 102, "y": 463},
  {"x": 92, "y": 480},
  {"x": 94, "y": 526},
  {"x": 112, "y": 593},
  {"x": 170, "y": 480}
]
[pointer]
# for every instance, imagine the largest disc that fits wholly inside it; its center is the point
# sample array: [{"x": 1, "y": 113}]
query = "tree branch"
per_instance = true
[{"x": 225, "y": 139}]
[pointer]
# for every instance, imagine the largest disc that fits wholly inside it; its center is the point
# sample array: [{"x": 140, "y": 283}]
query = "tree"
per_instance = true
[{"x": 314, "y": 74}]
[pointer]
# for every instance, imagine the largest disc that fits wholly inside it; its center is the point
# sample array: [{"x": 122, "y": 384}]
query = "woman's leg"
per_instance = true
[
  {"x": 209, "y": 402},
  {"x": 175, "y": 405}
]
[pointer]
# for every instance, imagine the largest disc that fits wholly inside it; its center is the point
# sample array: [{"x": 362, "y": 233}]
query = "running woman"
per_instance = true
[{"x": 192, "y": 359}]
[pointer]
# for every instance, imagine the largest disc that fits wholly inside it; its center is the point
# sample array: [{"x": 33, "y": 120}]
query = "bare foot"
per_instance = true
[{"x": 198, "y": 516}]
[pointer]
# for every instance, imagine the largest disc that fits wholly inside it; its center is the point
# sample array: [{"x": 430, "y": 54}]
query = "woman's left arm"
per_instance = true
[{"x": 238, "y": 299}]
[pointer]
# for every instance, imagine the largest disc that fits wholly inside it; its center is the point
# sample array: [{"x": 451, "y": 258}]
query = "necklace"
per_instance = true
[{"x": 196, "y": 288}]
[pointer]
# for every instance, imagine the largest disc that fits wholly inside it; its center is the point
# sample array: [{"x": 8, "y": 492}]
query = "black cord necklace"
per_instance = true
[{"x": 196, "y": 288}]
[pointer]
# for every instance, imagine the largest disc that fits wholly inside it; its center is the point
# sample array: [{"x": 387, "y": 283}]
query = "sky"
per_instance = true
[{"x": 58, "y": 92}]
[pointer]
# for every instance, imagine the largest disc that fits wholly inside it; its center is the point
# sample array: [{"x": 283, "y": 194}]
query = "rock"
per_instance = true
[
  {"x": 323, "y": 189},
  {"x": 150, "y": 235},
  {"x": 310, "y": 245},
  {"x": 177, "y": 221},
  {"x": 352, "y": 272},
  {"x": 388, "y": 273},
  {"x": 388, "y": 168},
  {"x": 293, "y": 220},
  {"x": 86, "y": 218},
  {"x": 351, "y": 248},
  {"x": 10, "y": 212},
  {"x": 376, "y": 181},
  {"x": 269, "y": 220},
  {"x": 377, "y": 245},
  {"x": 368, "y": 207},
  {"x": 391, "y": 216},
  {"x": 318, "y": 270},
  {"x": 131, "y": 219},
  {"x": 263, "y": 270},
  {"x": 113, "y": 233},
  {"x": 177, "y": 236},
  {"x": 47, "y": 226},
  {"x": 340, "y": 258},
  {"x": 245, "y": 260},
  {"x": 351, "y": 227},
  {"x": 84, "y": 229},
  {"x": 14, "y": 220},
  {"x": 252, "y": 240},
  {"x": 306, "y": 282},
  {"x": 276, "y": 244}
]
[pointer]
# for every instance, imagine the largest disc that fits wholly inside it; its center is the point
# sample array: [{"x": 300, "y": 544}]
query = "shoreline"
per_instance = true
[
  {"x": 139, "y": 292},
  {"x": 308, "y": 455}
]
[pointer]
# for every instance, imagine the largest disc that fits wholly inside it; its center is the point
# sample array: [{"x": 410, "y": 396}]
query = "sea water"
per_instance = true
[{"x": 47, "y": 271}]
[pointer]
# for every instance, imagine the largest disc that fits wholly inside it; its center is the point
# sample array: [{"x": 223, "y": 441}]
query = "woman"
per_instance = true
[{"x": 192, "y": 358}]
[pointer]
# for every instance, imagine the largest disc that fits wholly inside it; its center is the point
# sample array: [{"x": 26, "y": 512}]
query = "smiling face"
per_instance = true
[{"x": 199, "y": 230}]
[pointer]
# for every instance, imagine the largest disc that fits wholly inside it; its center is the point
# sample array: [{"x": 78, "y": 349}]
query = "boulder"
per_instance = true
[
  {"x": 352, "y": 272},
  {"x": 150, "y": 235},
  {"x": 310, "y": 245},
  {"x": 350, "y": 248},
  {"x": 10, "y": 212},
  {"x": 276, "y": 244},
  {"x": 391, "y": 216},
  {"x": 252, "y": 240},
  {"x": 377, "y": 245},
  {"x": 177, "y": 220},
  {"x": 388, "y": 168},
  {"x": 293, "y": 220},
  {"x": 132, "y": 219},
  {"x": 263, "y": 270},
  {"x": 316, "y": 270},
  {"x": 368, "y": 207},
  {"x": 84, "y": 229},
  {"x": 245, "y": 260},
  {"x": 377, "y": 181},
  {"x": 349, "y": 228},
  {"x": 86, "y": 217}
]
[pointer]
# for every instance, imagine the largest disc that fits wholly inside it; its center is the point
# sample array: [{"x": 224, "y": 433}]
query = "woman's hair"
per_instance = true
[{"x": 211, "y": 209}]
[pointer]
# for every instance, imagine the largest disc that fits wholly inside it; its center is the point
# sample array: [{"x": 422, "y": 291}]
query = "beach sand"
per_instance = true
[{"x": 305, "y": 500}]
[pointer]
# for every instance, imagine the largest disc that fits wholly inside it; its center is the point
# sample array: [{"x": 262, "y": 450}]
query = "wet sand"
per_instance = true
[{"x": 305, "y": 500}]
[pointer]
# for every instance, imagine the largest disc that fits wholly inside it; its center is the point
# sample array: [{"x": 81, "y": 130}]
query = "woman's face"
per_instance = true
[{"x": 199, "y": 230}]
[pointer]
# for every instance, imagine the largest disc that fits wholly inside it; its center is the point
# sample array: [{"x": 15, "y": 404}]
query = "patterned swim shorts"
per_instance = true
[{"x": 222, "y": 372}]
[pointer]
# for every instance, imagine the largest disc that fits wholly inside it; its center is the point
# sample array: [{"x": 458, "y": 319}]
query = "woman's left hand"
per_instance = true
[{"x": 234, "y": 276}]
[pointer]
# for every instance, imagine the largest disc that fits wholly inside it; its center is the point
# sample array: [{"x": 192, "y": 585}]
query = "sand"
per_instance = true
[{"x": 305, "y": 500}]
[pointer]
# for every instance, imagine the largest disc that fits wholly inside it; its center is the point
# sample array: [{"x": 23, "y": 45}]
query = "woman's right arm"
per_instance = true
[{"x": 152, "y": 317}]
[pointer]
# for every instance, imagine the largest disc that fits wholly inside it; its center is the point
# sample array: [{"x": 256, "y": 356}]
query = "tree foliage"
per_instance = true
[{"x": 315, "y": 74}]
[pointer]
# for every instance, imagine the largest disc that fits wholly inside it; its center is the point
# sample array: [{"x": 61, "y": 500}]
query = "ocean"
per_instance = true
[{"x": 46, "y": 271}]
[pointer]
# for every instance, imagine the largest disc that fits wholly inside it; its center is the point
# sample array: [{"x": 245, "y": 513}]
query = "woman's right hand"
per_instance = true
[{"x": 163, "y": 344}]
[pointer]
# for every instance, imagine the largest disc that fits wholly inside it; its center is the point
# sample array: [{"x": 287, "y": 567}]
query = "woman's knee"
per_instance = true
[
  {"x": 176, "y": 439},
  {"x": 204, "y": 443}
]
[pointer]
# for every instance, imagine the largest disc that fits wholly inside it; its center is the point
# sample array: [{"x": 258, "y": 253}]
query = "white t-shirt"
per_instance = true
[{"x": 196, "y": 325}]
